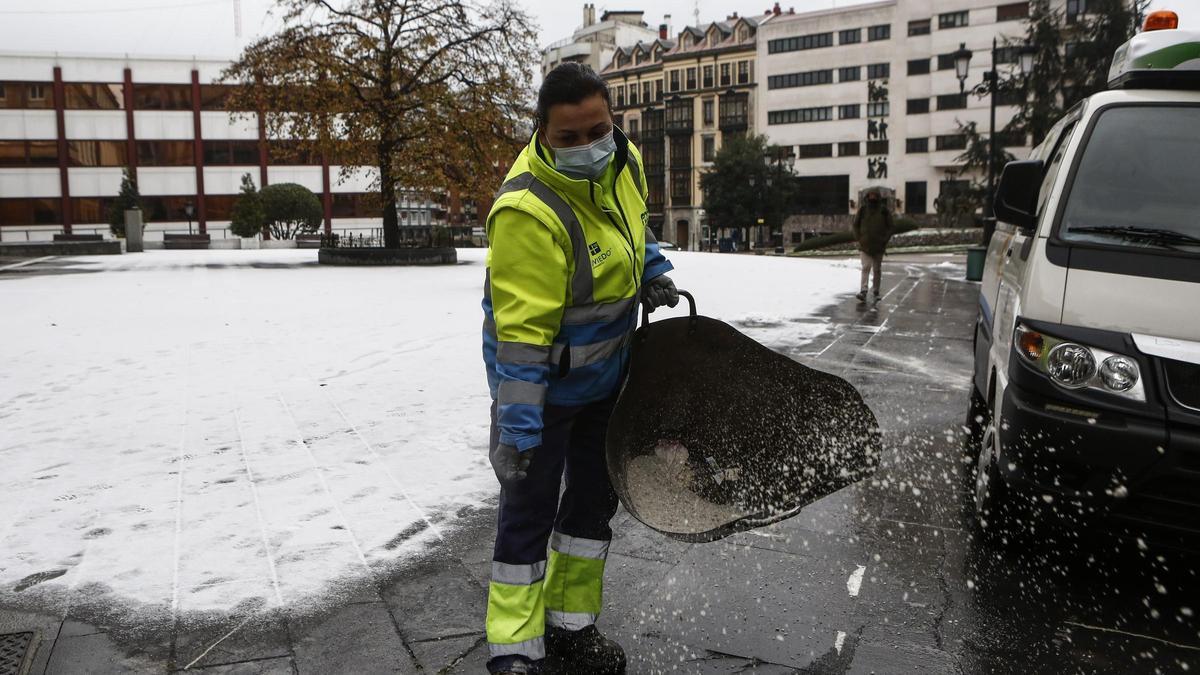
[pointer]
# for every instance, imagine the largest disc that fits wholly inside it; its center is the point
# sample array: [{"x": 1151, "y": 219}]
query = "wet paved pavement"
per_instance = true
[{"x": 882, "y": 577}]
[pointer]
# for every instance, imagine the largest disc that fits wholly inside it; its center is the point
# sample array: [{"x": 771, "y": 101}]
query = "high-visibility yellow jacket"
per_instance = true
[{"x": 567, "y": 262}]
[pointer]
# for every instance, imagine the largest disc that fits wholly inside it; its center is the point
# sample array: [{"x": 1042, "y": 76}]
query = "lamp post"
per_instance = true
[
  {"x": 991, "y": 81},
  {"x": 189, "y": 210}
]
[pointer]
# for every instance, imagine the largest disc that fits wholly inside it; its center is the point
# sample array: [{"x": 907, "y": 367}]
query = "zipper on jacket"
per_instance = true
[{"x": 626, "y": 233}]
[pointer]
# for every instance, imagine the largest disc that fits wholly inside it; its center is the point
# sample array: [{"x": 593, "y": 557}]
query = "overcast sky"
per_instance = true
[{"x": 206, "y": 27}]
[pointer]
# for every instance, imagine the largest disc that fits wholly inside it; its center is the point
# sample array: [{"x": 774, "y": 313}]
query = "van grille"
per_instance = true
[{"x": 1184, "y": 381}]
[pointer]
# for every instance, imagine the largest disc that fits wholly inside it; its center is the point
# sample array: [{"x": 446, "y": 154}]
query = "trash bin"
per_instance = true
[{"x": 976, "y": 257}]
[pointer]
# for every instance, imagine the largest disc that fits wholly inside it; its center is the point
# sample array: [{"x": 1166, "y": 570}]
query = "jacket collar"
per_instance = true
[{"x": 580, "y": 188}]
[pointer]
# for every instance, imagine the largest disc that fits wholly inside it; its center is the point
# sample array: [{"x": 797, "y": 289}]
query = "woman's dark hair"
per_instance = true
[{"x": 568, "y": 83}]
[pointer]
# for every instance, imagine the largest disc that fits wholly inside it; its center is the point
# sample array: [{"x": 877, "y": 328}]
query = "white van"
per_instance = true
[{"x": 1086, "y": 397}]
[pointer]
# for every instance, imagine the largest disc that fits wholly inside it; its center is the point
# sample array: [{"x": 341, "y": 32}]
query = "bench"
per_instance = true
[
  {"x": 78, "y": 237},
  {"x": 177, "y": 241}
]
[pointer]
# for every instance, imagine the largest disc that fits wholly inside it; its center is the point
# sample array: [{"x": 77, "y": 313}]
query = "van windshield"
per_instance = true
[{"x": 1138, "y": 182}]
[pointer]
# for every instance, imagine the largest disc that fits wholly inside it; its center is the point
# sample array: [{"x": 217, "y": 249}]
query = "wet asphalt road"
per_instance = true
[{"x": 881, "y": 577}]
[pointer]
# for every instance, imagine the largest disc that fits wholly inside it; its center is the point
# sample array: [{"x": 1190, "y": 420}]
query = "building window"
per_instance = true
[
  {"x": 798, "y": 115},
  {"x": 877, "y": 109},
  {"x": 917, "y": 106},
  {"x": 645, "y": 92},
  {"x": 94, "y": 96},
  {"x": 812, "y": 150},
  {"x": 951, "y": 101},
  {"x": 881, "y": 32},
  {"x": 31, "y": 211},
  {"x": 945, "y": 61},
  {"x": 850, "y": 74},
  {"x": 849, "y": 149},
  {"x": 709, "y": 148},
  {"x": 725, "y": 75},
  {"x": 1074, "y": 9},
  {"x": 918, "y": 67},
  {"x": 99, "y": 153},
  {"x": 691, "y": 78},
  {"x": 620, "y": 97},
  {"x": 954, "y": 20},
  {"x": 679, "y": 115},
  {"x": 1010, "y": 139},
  {"x": 743, "y": 72},
  {"x": 165, "y": 153},
  {"x": 162, "y": 97},
  {"x": 28, "y": 153},
  {"x": 230, "y": 153},
  {"x": 708, "y": 77},
  {"x": 808, "y": 79},
  {"x": 734, "y": 113},
  {"x": 681, "y": 187},
  {"x": 878, "y": 71},
  {"x": 1010, "y": 97},
  {"x": 658, "y": 90},
  {"x": 707, "y": 108},
  {"x": 1012, "y": 12},
  {"x": 849, "y": 37},
  {"x": 849, "y": 111},
  {"x": 916, "y": 145},
  {"x": 633, "y": 128},
  {"x": 800, "y": 42},
  {"x": 877, "y": 147},
  {"x": 918, "y": 27},
  {"x": 633, "y": 94},
  {"x": 681, "y": 153},
  {"x": 674, "y": 80},
  {"x": 952, "y": 142},
  {"x": 21, "y": 95},
  {"x": 1007, "y": 55}
]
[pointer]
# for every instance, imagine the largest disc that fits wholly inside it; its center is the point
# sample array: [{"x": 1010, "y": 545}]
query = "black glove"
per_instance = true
[
  {"x": 660, "y": 291},
  {"x": 509, "y": 463}
]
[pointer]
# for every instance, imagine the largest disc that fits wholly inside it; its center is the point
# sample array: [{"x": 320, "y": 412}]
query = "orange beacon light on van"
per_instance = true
[{"x": 1163, "y": 19}]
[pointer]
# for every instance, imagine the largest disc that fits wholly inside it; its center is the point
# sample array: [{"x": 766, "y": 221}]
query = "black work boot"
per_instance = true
[
  {"x": 514, "y": 665},
  {"x": 583, "y": 652}
]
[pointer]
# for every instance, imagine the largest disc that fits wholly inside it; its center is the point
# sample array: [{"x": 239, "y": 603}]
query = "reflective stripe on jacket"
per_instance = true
[{"x": 566, "y": 265}]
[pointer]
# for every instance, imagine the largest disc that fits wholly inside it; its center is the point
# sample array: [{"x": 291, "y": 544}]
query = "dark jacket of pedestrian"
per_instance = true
[{"x": 873, "y": 227}]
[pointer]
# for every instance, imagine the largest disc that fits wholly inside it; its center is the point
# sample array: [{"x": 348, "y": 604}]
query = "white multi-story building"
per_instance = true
[
  {"x": 69, "y": 125},
  {"x": 595, "y": 42},
  {"x": 868, "y": 96}
]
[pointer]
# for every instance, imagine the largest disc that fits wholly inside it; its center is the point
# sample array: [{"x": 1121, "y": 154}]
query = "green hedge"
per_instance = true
[{"x": 827, "y": 240}]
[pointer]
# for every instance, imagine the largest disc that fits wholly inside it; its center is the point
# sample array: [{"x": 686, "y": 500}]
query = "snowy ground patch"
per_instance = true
[{"x": 207, "y": 430}]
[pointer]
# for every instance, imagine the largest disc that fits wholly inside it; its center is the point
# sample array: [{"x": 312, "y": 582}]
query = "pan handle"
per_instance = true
[{"x": 691, "y": 304}]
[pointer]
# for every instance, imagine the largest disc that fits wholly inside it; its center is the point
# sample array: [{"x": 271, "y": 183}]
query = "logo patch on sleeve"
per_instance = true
[{"x": 594, "y": 248}]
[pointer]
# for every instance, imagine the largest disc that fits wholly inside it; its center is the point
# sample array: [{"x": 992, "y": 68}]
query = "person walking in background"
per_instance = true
[{"x": 872, "y": 227}]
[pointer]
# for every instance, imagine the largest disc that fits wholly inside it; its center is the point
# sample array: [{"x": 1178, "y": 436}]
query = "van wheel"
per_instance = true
[
  {"x": 978, "y": 418},
  {"x": 997, "y": 523}
]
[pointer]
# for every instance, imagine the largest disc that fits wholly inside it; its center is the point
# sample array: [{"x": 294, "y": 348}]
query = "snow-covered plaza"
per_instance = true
[{"x": 208, "y": 431}]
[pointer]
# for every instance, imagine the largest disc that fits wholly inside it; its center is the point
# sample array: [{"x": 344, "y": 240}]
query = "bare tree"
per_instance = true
[{"x": 432, "y": 93}]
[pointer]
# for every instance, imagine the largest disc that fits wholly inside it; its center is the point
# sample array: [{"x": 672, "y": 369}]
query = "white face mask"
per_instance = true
[{"x": 586, "y": 161}]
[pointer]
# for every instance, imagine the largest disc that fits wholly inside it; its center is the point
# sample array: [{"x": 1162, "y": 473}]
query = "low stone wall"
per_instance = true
[
  {"x": 387, "y": 256},
  {"x": 40, "y": 248}
]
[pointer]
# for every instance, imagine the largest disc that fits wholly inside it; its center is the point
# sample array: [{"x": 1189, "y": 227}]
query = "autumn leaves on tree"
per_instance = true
[{"x": 432, "y": 95}]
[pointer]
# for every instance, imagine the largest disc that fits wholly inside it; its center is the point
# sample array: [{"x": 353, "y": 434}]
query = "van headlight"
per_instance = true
[{"x": 1072, "y": 365}]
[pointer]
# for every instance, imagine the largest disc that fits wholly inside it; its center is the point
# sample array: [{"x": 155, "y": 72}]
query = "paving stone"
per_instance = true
[
  {"x": 437, "y": 598},
  {"x": 354, "y": 639},
  {"x": 99, "y": 654},
  {"x": 276, "y": 666},
  {"x": 238, "y": 637},
  {"x": 439, "y": 655},
  {"x": 45, "y": 625}
]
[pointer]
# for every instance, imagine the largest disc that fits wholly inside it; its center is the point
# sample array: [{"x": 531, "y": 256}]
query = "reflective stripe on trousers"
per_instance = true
[{"x": 574, "y": 586}]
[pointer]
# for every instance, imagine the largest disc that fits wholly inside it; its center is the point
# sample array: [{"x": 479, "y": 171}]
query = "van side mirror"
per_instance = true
[{"x": 1017, "y": 194}]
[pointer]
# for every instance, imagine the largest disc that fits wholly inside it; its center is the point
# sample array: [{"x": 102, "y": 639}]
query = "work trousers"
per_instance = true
[
  {"x": 528, "y": 592},
  {"x": 871, "y": 264}
]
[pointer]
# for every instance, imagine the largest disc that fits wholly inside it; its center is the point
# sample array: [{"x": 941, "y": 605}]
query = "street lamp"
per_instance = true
[
  {"x": 962, "y": 64},
  {"x": 189, "y": 210},
  {"x": 991, "y": 81}
]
